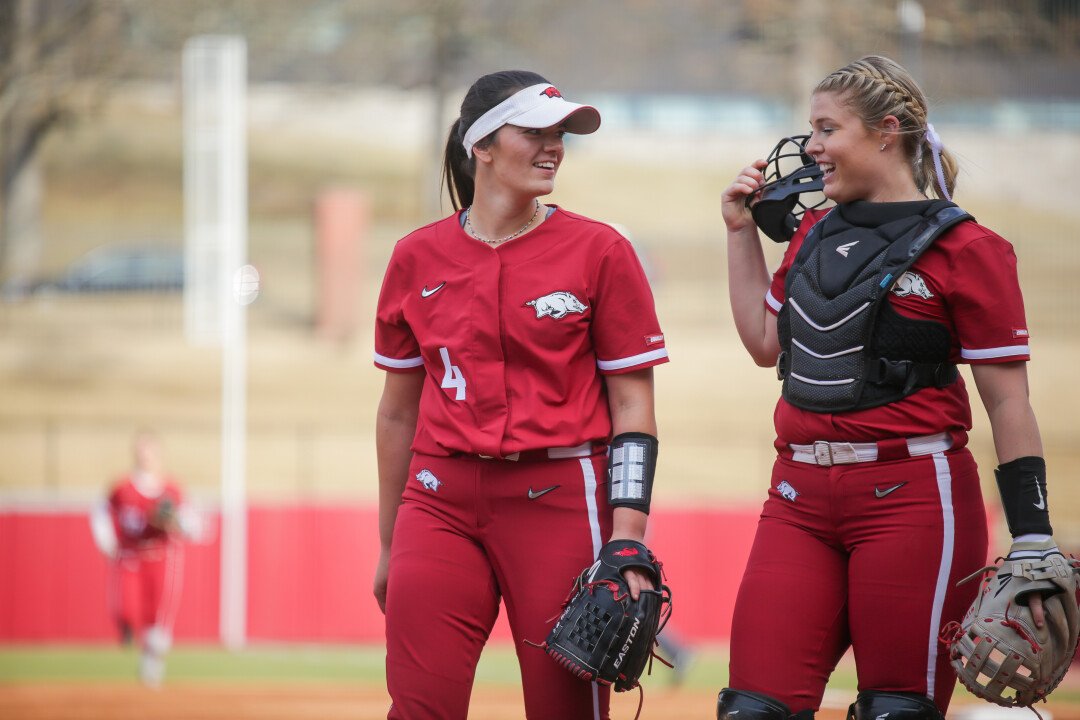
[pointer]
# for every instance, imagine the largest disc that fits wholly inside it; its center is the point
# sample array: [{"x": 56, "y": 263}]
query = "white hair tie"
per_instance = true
[{"x": 935, "y": 147}]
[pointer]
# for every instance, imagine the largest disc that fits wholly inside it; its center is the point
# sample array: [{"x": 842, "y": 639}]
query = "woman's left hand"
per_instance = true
[
  {"x": 1038, "y": 614},
  {"x": 638, "y": 580}
]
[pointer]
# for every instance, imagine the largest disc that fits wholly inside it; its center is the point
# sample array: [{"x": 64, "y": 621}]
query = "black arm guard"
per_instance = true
[
  {"x": 1022, "y": 484},
  {"x": 631, "y": 467}
]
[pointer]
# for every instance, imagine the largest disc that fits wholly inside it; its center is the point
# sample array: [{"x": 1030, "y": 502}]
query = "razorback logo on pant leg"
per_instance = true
[
  {"x": 557, "y": 305},
  {"x": 428, "y": 480},
  {"x": 785, "y": 489}
]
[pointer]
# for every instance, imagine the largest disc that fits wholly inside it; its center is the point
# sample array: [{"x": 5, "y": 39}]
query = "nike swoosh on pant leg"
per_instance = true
[
  {"x": 883, "y": 493},
  {"x": 534, "y": 494}
]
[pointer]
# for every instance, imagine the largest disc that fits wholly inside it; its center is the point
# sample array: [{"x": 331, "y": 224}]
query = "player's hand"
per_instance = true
[
  {"x": 382, "y": 571},
  {"x": 1038, "y": 614},
  {"x": 629, "y": 524},
  {"x": 733, "y": 200},
  {"x": 637, "y": 580}
]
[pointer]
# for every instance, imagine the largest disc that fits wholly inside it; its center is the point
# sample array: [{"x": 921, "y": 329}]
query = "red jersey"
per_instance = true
[
  {"x": 515, "y": 338},
  {"x": 966, "y": 281},
  {"x": 131, "y": 512}
]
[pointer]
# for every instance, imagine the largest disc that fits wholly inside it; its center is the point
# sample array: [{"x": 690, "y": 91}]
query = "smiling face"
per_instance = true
[
  {"x": 524, "y": 161},
  {"x": 147, "y": 453},
  {"x": 847, "y": 151}
]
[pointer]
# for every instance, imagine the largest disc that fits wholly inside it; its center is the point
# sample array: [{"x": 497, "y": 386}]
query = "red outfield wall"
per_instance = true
[{"x": 309, "y": 575}]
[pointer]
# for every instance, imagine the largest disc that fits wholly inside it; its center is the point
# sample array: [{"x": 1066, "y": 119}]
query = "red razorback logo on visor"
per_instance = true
[
  {"x": 626, "y": 552},
  {"x": 552, "y": 92}
]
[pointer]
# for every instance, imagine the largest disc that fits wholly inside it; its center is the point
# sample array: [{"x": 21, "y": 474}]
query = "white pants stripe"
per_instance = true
[
  {"x": 594, "y": 530},
  {"x": 171, "y": 591},
  {"x": 944, "y": 483}
]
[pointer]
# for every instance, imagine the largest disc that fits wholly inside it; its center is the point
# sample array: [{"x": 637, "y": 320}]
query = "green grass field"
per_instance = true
[
  {"x": 298, "y": 682},
  {"x": 272, "y": 663}
]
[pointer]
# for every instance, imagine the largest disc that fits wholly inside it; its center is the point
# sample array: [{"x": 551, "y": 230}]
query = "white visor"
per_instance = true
[{"x": 538, "y": 106}]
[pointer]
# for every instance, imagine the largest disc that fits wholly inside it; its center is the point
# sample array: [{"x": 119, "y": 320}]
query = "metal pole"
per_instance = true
[{"x": 218, "y": 283}]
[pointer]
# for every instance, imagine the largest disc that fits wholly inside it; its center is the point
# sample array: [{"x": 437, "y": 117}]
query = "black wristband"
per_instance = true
[
  {"x": 1022, "y": 484},
  {"x": 631, "y": 467}
]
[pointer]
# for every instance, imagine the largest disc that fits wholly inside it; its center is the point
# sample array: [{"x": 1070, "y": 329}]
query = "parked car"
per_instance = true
[{"x": 114, "y": 268}]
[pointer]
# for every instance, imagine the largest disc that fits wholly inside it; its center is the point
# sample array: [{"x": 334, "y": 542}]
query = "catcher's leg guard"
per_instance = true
[
  {"x": 872, "y": 704},
  {"x": 752, "y": 706}
]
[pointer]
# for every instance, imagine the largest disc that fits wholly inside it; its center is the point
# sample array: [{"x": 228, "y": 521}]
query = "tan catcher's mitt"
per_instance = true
[{"x": 996, "y": 650}]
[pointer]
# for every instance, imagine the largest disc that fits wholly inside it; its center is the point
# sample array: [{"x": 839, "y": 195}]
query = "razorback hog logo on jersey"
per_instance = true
[
  {"x": 132, "y": 521},
  {"x": 557, "y": 305},
  {"x": 911, "y": 284},
  {"x": 552, "y": 92},
  {"x": 428, "y": 480},
  {"x": 785, "y": 489}
]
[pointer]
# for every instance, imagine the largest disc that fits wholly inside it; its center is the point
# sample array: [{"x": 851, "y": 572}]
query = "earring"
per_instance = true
[{"x": 883, "y": 146}]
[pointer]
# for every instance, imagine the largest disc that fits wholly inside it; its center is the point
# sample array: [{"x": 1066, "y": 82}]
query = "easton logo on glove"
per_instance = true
[{"x": 603, "y": 635}]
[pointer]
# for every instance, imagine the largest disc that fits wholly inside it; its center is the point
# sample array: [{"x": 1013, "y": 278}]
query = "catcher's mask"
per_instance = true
[{"x": 789, "y": 172}]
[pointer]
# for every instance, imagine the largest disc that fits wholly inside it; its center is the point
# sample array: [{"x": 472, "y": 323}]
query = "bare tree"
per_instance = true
[{"x": 52, "y": 53}]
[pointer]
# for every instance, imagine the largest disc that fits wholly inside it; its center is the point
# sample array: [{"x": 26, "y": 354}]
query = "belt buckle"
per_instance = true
[
  {"x": 844, "y": 453},
  {"x": 823, "y": 453}
]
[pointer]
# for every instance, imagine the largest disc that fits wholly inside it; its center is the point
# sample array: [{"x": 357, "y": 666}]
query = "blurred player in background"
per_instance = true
[
  {"x": 875, "y": 512},
  {"x": 141, "y": 527},
  {"x": 519, "y": 340}
]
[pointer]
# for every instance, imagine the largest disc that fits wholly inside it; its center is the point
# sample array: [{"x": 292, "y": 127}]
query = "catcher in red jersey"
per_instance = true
[
  {"x": 519, "y": 340},
  {"x": 875, "y": 513},
  {"x": 140, "y": 528}
]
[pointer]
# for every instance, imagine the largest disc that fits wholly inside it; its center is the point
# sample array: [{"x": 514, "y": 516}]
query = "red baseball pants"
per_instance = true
[
  {"x": 470, "y": 532},
  {"x": 867, "y": 556}
]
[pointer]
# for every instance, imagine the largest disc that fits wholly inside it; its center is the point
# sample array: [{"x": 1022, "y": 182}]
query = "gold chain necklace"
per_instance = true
[{"x": 472, "y": 231}]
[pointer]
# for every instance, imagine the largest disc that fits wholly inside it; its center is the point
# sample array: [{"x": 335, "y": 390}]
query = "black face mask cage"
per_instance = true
[{"x": 777, "y": 207}]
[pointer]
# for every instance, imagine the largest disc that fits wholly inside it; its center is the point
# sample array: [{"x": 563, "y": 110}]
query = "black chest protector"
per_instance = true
[{"x": 843, "y": 346}]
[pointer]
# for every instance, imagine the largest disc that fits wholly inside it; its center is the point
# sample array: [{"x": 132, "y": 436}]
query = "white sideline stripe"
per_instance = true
[
  {"x": 835, "y": 325},
  {"x": 632, "y": 360},
  {"x": 995, "y": 352},
  {"x": 944, "y": 483},
  {"x": 808, "y": 351},
  {"x": 771, "y": 301},
  {"x": 406, "y": 363}
]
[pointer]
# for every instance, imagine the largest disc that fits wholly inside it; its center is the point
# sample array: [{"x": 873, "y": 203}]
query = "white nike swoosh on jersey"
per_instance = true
[{"x": 428, "y": 293}]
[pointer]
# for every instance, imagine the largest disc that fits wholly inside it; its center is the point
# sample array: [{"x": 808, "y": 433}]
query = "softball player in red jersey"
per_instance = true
[
  {"x": 147, "y": 556},
  {"x": 518, "y": 339},
  {"x": 874, "y": 512}
]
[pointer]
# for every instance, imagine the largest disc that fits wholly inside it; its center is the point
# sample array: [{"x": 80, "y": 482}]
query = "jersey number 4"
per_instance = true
[{"x": 452, "y": 378}]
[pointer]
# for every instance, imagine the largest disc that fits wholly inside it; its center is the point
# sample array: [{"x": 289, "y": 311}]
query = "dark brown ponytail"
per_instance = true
[{"x": 458, "y": 168}]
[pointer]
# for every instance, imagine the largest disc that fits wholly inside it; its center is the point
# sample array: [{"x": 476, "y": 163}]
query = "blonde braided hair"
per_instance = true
[{"x": 875, "y": 87}]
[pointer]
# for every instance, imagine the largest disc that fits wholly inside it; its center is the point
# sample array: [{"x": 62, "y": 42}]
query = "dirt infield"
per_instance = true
[
  {"x": 314, "y": 701},
  {"x": 321, "y": 701}
]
